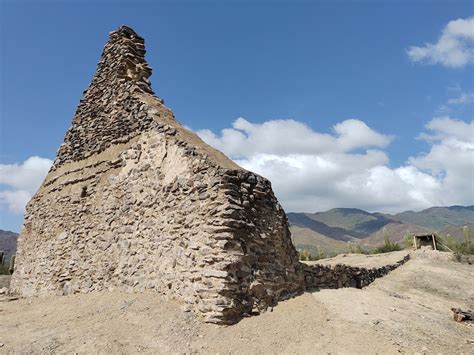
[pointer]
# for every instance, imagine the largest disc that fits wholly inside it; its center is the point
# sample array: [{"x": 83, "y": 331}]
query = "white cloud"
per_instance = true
[
  {"x": 355, "y": 134},
  {"x": 22, "y": 181},
  {"x": 451, "y": 157},
  {"x": 284, "y": 137},
  {"x": 446, "y": 130},
  {"x": 312, "y": 171},
  {"x": 16, "y": 200},
  {"x": 454, "y": 48},
  {"x": 463, "y": 99}
]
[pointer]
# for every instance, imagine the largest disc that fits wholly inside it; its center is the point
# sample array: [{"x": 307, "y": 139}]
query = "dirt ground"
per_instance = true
[
  {"x": 4, "y": 281},
  {"x": 361, "y": 260},
  {"x": 408, "y": 311}
]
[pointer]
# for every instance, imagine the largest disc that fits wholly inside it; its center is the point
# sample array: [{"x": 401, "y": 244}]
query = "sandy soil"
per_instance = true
[
  {"x": 361, "y": 260},
  {"x": 407, "y": 311},
  {"x": 4, "y": 281}
]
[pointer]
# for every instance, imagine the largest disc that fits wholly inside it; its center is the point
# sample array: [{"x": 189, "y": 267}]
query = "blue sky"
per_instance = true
[{"x": 317, "y": 63}]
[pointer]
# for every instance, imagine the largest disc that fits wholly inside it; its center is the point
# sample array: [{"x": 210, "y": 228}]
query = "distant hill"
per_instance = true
[
  {"x": 8, "y": 242},
  {"x": 438, "y": 218},
  {"x": 457, "y": 232},
  {"x": 305, "y": 220},
  {"x": 345, "y": 224},
  {"x": 360, "y": 223},
  {"x": 355, "y": 225},
  {"x": 306, "y": 239},
  {"x": 396, "y": 232}
]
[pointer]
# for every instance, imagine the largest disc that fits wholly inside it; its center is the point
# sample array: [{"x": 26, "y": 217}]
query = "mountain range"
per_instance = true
[{"x": 331, "y": 231}]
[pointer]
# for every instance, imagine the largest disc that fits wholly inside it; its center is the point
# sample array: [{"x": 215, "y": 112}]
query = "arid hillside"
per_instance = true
[
  {"x": 307, "y": 239},
  {"x": 355, "y": 226},
  {"x": 407, "y": 311}
]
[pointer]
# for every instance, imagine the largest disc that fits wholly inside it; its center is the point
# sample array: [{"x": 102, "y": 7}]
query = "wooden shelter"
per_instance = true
[{"x": 426, "y": 239}]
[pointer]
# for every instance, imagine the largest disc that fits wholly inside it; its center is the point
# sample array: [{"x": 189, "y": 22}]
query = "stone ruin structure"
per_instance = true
[{"x": 136, "y": 202}]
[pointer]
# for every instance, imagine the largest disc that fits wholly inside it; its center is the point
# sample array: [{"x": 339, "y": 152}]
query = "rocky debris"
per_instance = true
[{"x": 462, "y": 316}]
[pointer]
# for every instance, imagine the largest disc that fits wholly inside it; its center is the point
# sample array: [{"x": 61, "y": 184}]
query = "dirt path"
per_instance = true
[{"x": 407, "y": 311}]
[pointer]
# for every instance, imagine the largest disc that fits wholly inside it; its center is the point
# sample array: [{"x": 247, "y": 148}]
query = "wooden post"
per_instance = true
[{"x": 434, "y": 241}]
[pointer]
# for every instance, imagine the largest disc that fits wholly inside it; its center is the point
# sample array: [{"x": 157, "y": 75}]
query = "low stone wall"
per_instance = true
[{"x": 323, "y": 276}]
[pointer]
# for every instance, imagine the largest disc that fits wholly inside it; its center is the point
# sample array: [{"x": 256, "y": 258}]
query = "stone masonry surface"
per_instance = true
[
  {"x": 109, "y": 112},
  {"x": 136, "y": 202}
]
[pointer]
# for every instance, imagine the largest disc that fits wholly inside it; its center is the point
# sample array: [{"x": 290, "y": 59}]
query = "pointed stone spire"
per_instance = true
[
  {"x": 109, "y": 112},
  {"x": 136, "y": 202},
  {"x": 123, "y": 61}
]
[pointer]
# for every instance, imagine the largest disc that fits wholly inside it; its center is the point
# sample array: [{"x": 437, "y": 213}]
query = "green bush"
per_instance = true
[
  {"x": 387, "y": 248},
  {"x": 463, "y": 250},
  {"x": 409, "y": 240},
  {"x": 388, "y": 245},
  {"x": 465, "y": 247},
  {"x": 305, "y": 255},
  {"x": 320, "y": 255},
  {"x": 356, "y": 249}
]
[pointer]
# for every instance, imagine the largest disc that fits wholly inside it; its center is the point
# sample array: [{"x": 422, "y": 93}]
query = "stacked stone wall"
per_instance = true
[{"x": 341, "y": 275}]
